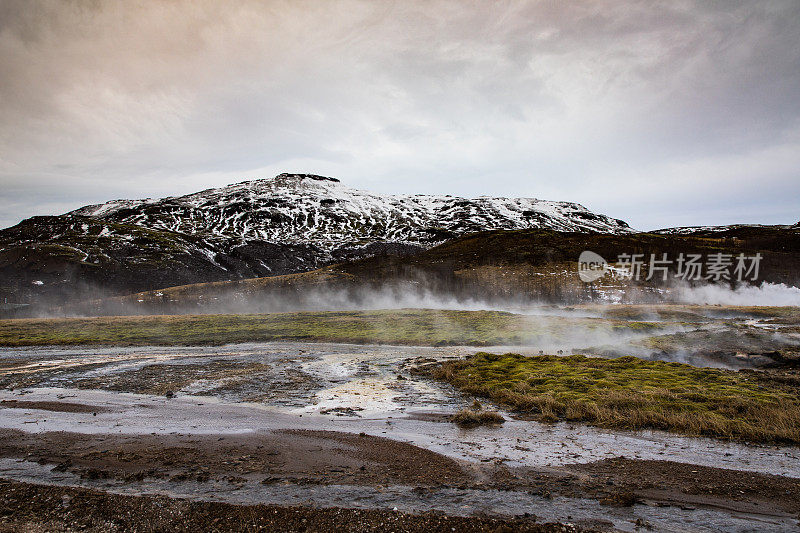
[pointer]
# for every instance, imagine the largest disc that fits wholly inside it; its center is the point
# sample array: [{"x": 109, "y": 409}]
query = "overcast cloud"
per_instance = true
[{"x": 660, "y": 113}]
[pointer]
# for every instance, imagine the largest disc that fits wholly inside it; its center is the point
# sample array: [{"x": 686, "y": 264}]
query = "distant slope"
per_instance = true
[
  {"x": 504, "y": 266},
  {"x": 721, "y": 230},
  {"x": 60, "y": 258},
  {"x": 544, "y": 248}
]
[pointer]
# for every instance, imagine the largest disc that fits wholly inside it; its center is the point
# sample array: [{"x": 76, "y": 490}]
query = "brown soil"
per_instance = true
[
  {"x": 59, "y": 407},
  {"x": 292, "y": 455}
]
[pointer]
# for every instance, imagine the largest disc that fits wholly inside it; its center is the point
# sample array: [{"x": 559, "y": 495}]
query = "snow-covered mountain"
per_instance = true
[
  {"x": 310, "y": 209},
  {"x": 287, "y": 224}
]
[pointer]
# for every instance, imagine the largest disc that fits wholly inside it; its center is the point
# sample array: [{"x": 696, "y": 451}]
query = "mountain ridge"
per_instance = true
[{"x": 294, "y": 208}]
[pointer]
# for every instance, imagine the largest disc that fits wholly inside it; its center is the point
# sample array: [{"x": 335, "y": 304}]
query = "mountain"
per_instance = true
[
  {"x": 290, "y": 223},
  {"x": 310, "y": 209}
]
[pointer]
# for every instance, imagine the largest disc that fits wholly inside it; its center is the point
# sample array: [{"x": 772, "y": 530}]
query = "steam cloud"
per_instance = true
[{"x": 772, "y": 294}]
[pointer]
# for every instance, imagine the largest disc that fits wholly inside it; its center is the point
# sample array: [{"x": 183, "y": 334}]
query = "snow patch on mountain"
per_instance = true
[
  {"x": 311, "y": 209},
  {"x": 690, "y": 230}
]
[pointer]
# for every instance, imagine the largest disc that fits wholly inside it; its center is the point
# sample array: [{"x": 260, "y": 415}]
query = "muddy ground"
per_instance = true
[
  {"x": 295, "y": 456},
  {"x": 300, "y": 457}
]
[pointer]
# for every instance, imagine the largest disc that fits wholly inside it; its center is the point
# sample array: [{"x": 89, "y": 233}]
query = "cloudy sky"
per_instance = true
[{"x": 661, "y": 113}]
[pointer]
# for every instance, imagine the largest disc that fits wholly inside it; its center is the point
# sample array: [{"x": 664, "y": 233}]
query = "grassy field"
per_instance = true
[
  {"x": 692, "y": 313},
  {"x": 631, "y": 393},
  {"x": 410, "y": 327},
  {"x": 423, "y": 327}
]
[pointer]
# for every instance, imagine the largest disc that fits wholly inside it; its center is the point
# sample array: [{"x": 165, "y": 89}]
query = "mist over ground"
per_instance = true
[
  {"x": 405, "y": 295},
  {"x": 769, "y": 294}
]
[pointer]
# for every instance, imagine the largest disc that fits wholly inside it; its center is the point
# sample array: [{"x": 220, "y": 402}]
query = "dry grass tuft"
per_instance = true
[{"x": 472, "y": 418}]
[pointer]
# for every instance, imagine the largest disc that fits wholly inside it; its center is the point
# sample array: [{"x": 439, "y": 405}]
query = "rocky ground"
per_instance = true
[{"x": 39, "y": 508}]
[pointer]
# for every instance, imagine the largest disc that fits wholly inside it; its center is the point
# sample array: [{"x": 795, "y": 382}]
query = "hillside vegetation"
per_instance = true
[{"x": 502, "y": 266}]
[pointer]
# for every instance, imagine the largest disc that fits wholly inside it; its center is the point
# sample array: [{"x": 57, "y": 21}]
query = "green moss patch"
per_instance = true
[{"x": 631, "y": 393}]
